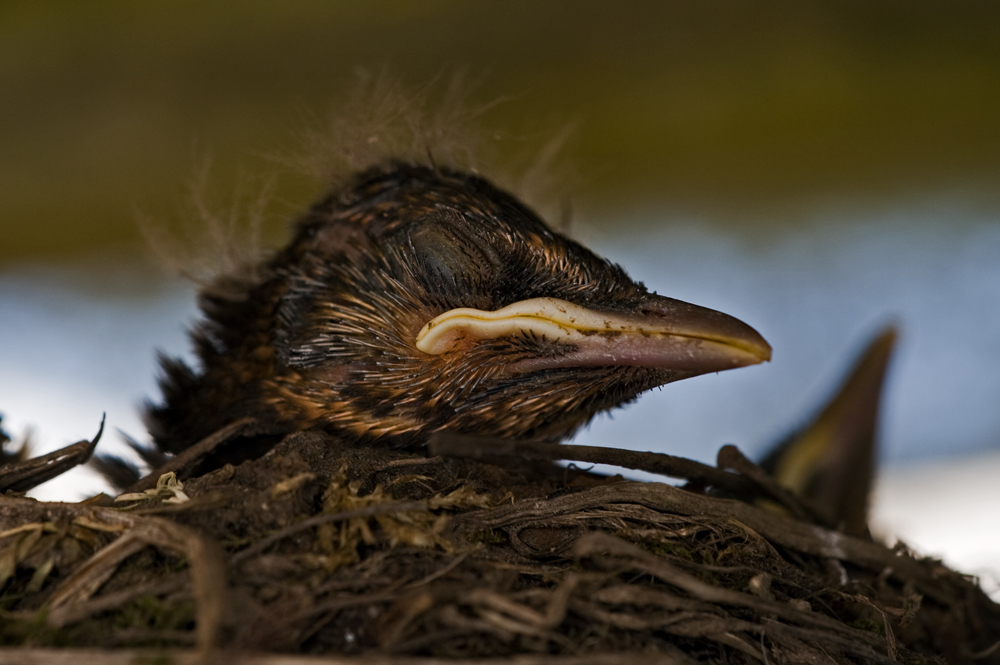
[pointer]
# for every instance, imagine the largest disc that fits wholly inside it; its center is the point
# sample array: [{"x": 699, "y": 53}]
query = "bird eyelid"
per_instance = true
[{"x": 449, "y": 253}]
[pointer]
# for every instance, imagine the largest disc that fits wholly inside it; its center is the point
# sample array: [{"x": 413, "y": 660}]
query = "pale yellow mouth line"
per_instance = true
[{"x": 549, "y": 317}]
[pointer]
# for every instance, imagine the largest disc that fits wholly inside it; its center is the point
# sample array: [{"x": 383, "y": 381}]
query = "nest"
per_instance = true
[{"x": 483, "y": 550}]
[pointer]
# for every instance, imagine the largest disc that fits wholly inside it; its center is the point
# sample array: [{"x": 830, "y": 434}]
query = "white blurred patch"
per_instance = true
[
  {"x": 947, "y": 508},
  {"x": 80, "y": 341}
]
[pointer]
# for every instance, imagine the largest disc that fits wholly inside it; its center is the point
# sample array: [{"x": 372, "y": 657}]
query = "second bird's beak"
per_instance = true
[{"x": 660, "y": 333}]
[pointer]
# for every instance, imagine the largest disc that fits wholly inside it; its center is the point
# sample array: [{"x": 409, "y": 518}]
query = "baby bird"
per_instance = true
[
  {"x": 831, "y": 461},
  {"x": 418, "y": 300}
]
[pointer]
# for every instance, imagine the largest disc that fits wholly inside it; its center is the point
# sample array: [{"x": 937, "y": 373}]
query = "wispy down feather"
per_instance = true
[{"x": 438, "y": 125}]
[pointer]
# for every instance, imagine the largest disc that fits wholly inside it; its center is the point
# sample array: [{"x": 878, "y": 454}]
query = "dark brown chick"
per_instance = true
[
  {"x": 357, "y": 326},
  {"x": 831, "y": 461}
]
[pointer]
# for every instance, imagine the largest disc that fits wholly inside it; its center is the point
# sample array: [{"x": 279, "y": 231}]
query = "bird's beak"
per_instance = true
[
  {"x": 661, "y": 333},
  {"x": 832, "y": 461}
]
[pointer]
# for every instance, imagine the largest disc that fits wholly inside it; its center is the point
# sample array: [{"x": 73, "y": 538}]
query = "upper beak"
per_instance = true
[{"x": 660, "y": 333}]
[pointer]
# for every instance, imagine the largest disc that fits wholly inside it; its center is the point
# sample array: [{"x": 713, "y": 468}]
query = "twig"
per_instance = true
[
  {"x": 23, "y": 476},
  {"x": 68, "y": 614},
  {"x": 196, "y": 453},
  {"x": 730, "y": 457},
  {"x": 191, "y": 657},
  {"x": 779, "y": 529},
  {"x": 594, "y": 543},
  {"x": 208, "y": 573},
  {"x": 475, "y": 447},
  {"x": 368, "y": 511}
]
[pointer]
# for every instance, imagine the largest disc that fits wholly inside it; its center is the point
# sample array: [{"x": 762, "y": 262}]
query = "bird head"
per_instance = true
[{"x": 422, "y": 300}]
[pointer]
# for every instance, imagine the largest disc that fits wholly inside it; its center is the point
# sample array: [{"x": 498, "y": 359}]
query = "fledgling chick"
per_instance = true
[
  {"x": 831, "y": 461},
  {"x": 417, "y": 300}
]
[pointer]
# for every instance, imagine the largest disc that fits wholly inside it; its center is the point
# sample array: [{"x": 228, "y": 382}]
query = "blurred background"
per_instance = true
[{"x": 815, "y": 169}]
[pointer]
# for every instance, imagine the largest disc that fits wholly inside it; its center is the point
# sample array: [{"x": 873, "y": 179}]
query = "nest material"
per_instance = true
[{"x": 321, "y": 549}]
